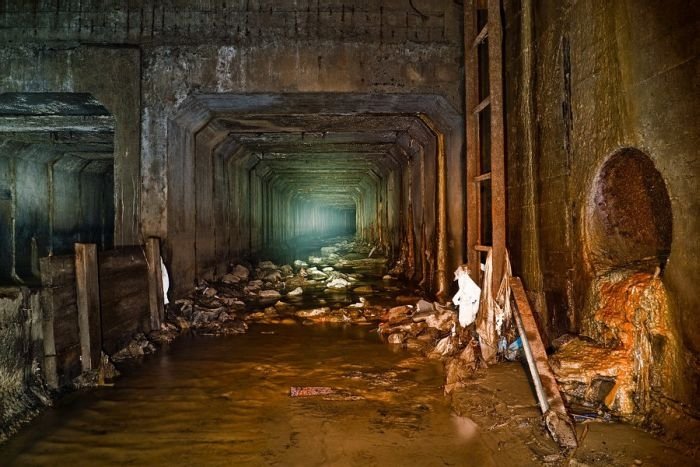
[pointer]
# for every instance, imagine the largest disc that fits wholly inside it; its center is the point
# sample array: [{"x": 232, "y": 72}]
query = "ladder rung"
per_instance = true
[
  {"x": 482, "y": 105},
  {"x": 482, "y": 35},
  {"x": 483, "y": 177},
  {"x": 483, "y": 248}
]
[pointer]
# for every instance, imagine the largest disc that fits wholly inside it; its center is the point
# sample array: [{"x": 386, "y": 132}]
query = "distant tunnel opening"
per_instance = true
[
  {"x": 258, "y": 174},
  {"x": 56, "y": 179}
]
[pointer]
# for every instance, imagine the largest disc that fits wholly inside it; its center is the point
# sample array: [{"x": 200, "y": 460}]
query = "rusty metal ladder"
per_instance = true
[{"x": 486, "y": 205}]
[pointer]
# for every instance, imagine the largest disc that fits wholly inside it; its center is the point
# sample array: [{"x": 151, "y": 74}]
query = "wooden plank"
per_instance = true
[
  {"x": 59, "y": 322},
  {"x": 551, "y": 403},
  {"x": 119, "y": 259},
  {"x": 49, "y": 368},
  {"x": 88, "y": 295},
  {"x": 57, "y": 270},
  {"x": 156, "y": 305},
  {"x": 118, "y": 286},
  {"x": 61, "y": 298}
]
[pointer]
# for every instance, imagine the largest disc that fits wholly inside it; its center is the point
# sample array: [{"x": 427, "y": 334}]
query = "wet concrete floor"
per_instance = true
[{"x": 225, "y": 401}]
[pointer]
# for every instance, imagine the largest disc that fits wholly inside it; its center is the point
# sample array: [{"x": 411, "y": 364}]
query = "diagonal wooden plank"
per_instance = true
[{"x": 551, "y": 403}]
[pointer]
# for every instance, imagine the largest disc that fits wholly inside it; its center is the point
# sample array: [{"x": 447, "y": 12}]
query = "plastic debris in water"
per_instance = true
[
  {"x": 166, "y": 281},
  {"x": 306, "y": 391}
]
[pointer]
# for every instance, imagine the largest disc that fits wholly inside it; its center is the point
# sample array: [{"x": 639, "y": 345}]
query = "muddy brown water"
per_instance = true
[{"x": 225, "y": 401}]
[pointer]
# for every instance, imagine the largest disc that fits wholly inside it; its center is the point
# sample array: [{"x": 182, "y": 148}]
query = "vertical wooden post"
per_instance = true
[
  {"x": 155, "y": 283},
  {"x": 87, "y": 289}
]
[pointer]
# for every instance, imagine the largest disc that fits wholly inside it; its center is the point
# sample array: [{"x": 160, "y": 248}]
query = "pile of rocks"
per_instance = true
[
  {"x": 342, "y": 286},
  {"x": 275, "y": 294},
  {"x": 432, "y": 329}
]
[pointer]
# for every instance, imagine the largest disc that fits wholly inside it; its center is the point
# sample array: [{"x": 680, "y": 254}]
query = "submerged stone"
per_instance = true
[{"x": 269, "y": 295}]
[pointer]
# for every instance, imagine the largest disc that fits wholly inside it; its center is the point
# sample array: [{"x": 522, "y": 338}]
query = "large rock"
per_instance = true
[
  {"x": 313, "y": 313},
  {"x": 338, "y": 283},
  {"x": 269, "y": 295},
  {"x": 398, "y": 314},
  {"x": 230, "y": 279},
  {"x": 202, "y": 316},
  {"x": 267, "y": 265},
  {"x": 138, "y": 347},
  {"x": 441, "y": 321},
  {"x": 241, "y": 272},
  {"x": 328, "y": 250},
  {"x": 283, "y": 307},
  {"x": 272, "y": 276},
  {"x": 318, "y": 275}
]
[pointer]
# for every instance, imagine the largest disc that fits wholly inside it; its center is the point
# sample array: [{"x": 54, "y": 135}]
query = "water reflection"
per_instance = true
[{"x": 225, "y": 401}]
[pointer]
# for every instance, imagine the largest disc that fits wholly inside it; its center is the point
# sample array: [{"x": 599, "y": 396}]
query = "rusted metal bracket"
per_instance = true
[{"x": 556, "y": 418}]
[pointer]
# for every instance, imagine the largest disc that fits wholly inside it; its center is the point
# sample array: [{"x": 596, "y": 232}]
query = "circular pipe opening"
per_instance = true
[{"x": 630, "y": 223}]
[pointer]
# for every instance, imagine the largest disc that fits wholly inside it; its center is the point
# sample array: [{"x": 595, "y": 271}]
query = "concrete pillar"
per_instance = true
[{"x": 87, "y": 289}]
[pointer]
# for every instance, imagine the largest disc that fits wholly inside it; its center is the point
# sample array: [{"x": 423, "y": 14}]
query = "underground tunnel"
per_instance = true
[{"x": 425, "y": 232}]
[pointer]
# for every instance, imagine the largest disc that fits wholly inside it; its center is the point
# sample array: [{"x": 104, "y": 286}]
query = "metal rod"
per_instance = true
[{"x": 541, "y": 396}]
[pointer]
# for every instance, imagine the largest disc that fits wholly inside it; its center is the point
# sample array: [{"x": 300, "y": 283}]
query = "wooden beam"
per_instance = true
[
  {"x": 87, "y": 289},
  {"x": 155, "y": 283},
  {"x": 551, "y": 403}
]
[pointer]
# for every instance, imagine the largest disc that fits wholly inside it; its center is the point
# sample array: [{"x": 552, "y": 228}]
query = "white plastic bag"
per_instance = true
[
  {"x": 166, "y": 281},
  {"x": 467, "y": 298}
]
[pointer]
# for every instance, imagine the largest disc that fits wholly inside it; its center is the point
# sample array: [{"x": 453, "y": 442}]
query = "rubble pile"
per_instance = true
[
  {"x": 347, "y": 284},
  {"x": 308, "y": 291},
  {"x": 626, "y": 335}
]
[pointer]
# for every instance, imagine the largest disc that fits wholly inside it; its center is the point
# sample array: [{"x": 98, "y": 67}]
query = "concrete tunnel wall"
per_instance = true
[
  {"x": 606, "y": 79},
  {"x": 603, "y": 77},
  {"x": 243, "y": 167}
]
